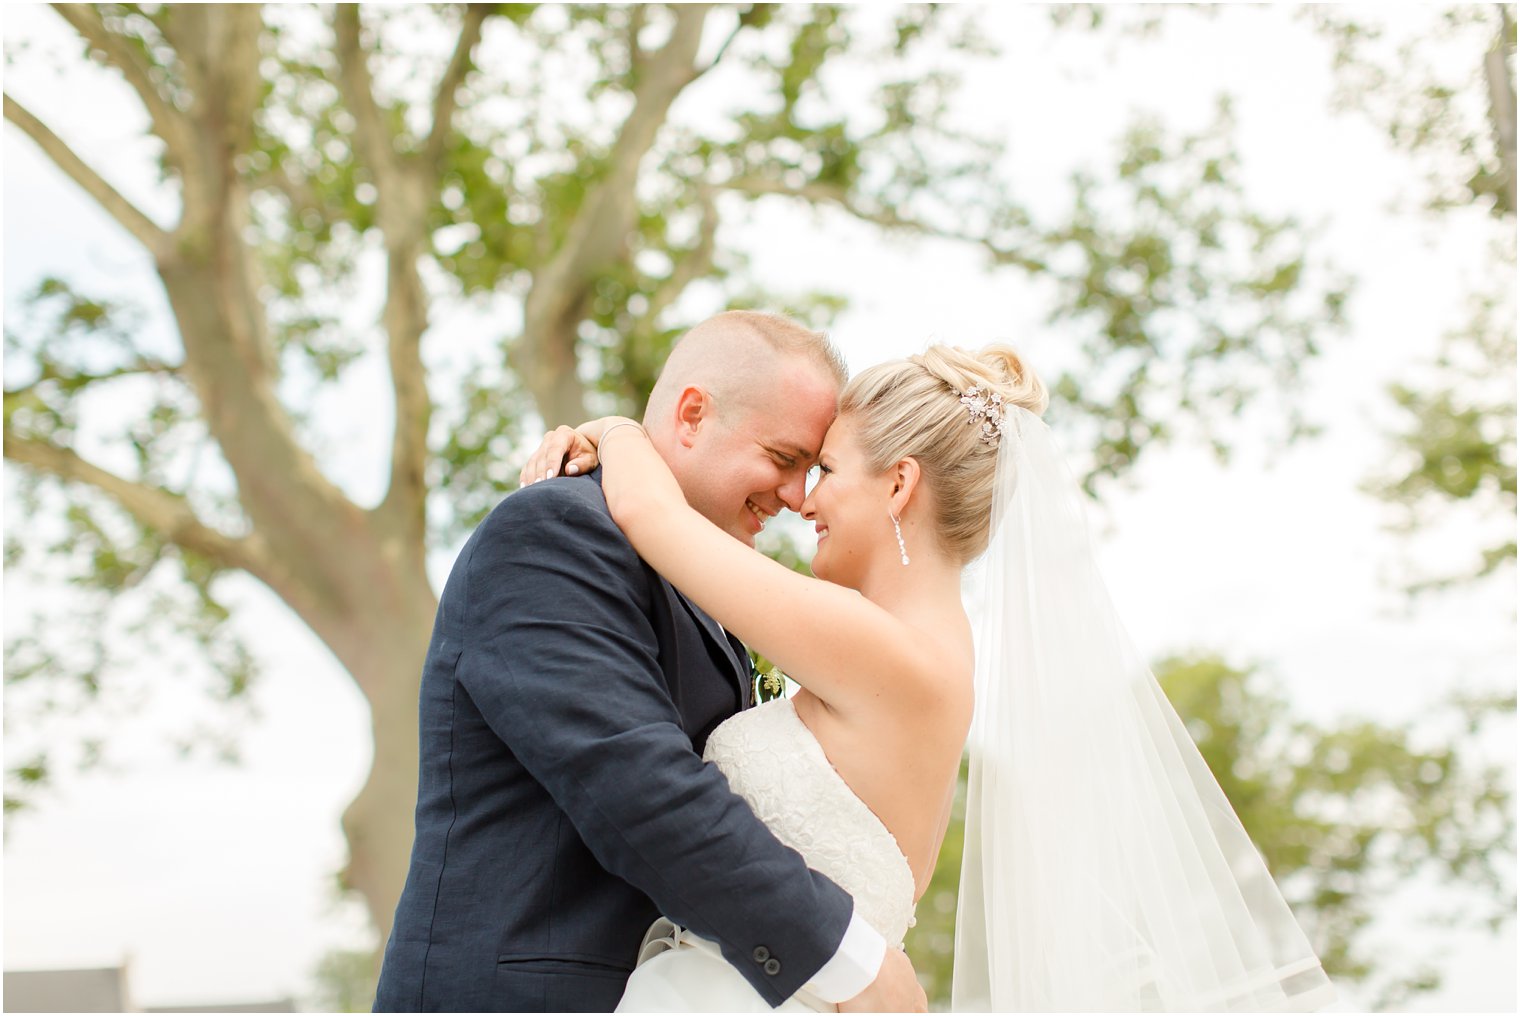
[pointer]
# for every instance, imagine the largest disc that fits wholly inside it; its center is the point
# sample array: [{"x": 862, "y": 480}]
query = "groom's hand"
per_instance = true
[{"x": 896, "y": 989}]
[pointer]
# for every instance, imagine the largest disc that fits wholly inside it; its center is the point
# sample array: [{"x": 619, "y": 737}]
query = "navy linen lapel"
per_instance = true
[
  {"x": 724, "y": 643},
  {"x": 746, "y": 670}
]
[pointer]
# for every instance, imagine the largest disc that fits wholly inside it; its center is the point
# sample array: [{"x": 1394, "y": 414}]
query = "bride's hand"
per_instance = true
[
  {"x": 569, "y": 448},
  {"x": 896, "y": 988}
]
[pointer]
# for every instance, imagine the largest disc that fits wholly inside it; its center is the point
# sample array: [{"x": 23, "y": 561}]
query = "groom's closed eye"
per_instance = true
[{"x": 783, "y": 460}]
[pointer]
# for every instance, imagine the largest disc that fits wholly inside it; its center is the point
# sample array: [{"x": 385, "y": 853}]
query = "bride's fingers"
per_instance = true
[
  {"x": 545, "y": 462},
  {"x": 537, "y": 465},
  {"x": 556, "y": 446},
  {"x": 582, "y": 462}
]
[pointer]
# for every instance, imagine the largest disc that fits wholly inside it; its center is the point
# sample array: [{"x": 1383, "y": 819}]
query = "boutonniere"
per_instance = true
[{"x": 769, "y": 683}]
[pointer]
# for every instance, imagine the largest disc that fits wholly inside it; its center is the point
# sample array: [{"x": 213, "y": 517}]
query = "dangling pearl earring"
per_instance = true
[{"x": 900, "y": 545}]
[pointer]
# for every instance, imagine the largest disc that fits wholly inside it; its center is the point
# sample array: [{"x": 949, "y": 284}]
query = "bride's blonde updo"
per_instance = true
[{"x": 912, "y": 408}]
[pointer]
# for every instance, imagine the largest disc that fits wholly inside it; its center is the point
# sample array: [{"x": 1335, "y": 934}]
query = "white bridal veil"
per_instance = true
[{"x": 1103, "y": 869}]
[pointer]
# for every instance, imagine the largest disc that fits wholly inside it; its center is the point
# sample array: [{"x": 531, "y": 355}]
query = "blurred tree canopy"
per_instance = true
[
  {"x": 569, "y": 173},
  {"x": 1344, "y": 815},
  {"x": 1447, "y": 100}
]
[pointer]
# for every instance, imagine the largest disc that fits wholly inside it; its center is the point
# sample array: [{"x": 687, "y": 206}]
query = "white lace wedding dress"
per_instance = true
[{"x": 773, "y": 761}]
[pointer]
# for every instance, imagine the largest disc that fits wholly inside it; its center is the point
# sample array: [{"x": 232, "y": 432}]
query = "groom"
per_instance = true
[{"x": 568, "y": 691}]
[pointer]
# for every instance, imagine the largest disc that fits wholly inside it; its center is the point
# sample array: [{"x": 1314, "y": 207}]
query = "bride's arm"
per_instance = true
[{"x": 829, "y": 639}]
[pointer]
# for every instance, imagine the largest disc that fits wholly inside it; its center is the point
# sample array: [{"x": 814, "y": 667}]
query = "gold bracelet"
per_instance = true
[{"x": 621, "y": 423}]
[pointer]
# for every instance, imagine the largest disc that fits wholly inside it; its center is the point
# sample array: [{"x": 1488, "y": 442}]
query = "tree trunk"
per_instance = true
[
  {"x": 356, "y": 577},
  {"x": 546, "y": 362},
  {"x": 378, "y": 824},
  {"x": 379, "y": 630}
]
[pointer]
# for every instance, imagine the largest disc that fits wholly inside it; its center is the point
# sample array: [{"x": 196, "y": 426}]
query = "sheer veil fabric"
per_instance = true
[{"x": 1103, "y": 868}]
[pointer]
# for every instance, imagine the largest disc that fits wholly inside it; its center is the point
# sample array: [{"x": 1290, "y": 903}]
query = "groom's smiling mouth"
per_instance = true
[{"x": 760, "y": 514}]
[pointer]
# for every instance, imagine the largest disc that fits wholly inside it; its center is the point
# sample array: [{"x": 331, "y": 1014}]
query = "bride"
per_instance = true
[{"x": 1103, "y": 867}]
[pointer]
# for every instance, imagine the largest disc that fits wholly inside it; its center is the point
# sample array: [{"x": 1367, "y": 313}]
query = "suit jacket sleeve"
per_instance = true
[{"x": 561, "y": 657}]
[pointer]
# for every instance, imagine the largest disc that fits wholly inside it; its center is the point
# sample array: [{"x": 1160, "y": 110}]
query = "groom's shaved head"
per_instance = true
[
  {"x": 739, "y": 413},
  {"x": 735, "y": 356}
]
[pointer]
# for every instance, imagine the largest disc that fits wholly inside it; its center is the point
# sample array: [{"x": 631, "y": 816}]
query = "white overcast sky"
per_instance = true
[{"x": 215, "y": 883}]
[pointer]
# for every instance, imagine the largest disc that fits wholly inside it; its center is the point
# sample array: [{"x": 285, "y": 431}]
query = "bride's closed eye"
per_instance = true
[{"x": 816, "y": 473}]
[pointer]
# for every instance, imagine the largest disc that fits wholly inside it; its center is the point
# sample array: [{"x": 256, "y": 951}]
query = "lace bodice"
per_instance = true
[{"x": 773, "y": 761}]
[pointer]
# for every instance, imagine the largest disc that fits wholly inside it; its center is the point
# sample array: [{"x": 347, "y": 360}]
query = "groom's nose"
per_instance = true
[{"x": 794, "y": 491}]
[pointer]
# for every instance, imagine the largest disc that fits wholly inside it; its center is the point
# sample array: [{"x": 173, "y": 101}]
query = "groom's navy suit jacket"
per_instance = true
[{"x": 563, "y": 804}]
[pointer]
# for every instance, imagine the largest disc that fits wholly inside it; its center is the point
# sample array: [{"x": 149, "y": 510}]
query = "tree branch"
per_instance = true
[
  {"x": 1501, "y": 99},
  {"x": 839, "y": 197},
  {"x": 446, "y": 100},
  {"x": 598, "y": 238},
  {"x": 72, "y": 381},
  {"x": 405, "y": 190},
  {"x": 403, "y": 215},
  {"x": 297, "y": 192},
  {"x": 637, "y": 19},
  {"x": 168, "y": 123},
  {"x": 131, "y": 218},
  {"x": 166, "y": 514},
  {"x": 755, "y": 14},
  {"x": 697, "y": 263},
  {"x": 375, "y": 142},
  {"x": 217, "y": 46},
  {"x": 406, "y": 319}
]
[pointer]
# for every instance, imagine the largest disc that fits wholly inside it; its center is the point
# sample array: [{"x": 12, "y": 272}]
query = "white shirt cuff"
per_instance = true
[{"x": 854, "y": 966}]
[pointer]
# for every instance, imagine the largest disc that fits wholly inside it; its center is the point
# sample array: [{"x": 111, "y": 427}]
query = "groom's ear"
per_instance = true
[{"x": 694, "y": 407}]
